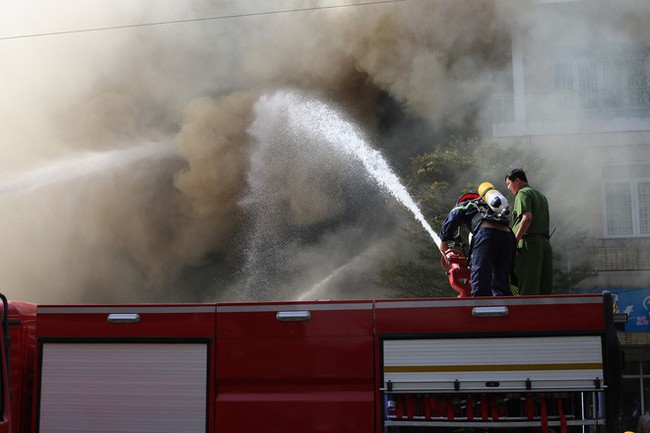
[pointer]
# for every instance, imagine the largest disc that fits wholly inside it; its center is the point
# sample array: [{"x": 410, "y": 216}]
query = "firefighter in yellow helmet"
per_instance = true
[{"x": 492, "y": 243}]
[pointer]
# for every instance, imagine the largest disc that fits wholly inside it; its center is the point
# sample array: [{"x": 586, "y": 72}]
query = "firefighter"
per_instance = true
[
  {"x": 530, "y": 223},
  {"x": 492, "y": 243}
]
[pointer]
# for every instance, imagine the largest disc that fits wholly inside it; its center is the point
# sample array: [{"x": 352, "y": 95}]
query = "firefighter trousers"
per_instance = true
[{"x": 491, "y": 262}]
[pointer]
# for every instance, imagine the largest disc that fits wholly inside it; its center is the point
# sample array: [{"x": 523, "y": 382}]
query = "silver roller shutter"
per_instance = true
[
  {"x": 562, "y": 362},
  {"x": 120, "y": 388}
]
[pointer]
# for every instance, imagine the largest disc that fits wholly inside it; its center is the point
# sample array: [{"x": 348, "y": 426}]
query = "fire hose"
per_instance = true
[{"x": 454, "y": 262}]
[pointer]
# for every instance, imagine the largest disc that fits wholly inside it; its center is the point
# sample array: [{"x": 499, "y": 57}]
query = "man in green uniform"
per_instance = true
[{"x": 534, "y": 261}]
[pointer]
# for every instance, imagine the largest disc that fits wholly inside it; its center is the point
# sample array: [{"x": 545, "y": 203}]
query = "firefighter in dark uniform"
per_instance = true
[{"x": 492, "y": 244}]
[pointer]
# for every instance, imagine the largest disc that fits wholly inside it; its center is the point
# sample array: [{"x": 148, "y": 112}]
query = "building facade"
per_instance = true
[{"x": 580, "y": 95}]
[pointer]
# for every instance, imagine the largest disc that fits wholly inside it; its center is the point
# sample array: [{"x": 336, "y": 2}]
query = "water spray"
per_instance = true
[
  {"x": 319, "y": 129},
  {"x": 77, "y": 167},
  {"x": 324, "y": 122}
]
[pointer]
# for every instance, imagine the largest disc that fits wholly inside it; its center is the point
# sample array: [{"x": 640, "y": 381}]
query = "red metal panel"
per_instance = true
[
  {"x": 310, "y": 376},
  {"x": 22, "y": 324},
  {"x": 159, "y": 321},
  {"x": 525, "y": 314},
  {"x": 338, "y": 318}
]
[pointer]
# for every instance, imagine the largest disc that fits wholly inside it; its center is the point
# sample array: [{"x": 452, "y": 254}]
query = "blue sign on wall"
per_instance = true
[{"x": 636, "y": 303}]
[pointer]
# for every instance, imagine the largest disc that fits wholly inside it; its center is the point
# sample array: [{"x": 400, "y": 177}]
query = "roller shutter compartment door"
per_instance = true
[
  {"x": 564, "y": 362},
  {"x": 122, "y": 388}
]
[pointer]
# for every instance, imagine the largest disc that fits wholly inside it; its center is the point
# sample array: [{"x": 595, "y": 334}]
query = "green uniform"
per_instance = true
[{"x": 534, "y": 262}]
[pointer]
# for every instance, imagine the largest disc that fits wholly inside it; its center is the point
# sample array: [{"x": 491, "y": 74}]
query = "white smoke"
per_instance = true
[{"x": 174, "y": 227}]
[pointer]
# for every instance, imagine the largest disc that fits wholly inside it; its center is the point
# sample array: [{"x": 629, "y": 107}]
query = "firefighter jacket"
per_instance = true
[{"x": 471, "y": 214}]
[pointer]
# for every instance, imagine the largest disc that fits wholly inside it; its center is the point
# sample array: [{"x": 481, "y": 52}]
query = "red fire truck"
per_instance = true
[{"x": 366, "y": 366}]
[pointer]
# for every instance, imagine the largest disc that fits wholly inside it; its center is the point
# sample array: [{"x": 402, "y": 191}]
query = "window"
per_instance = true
[
  {"x": 636, "y": 393},
  {"x": 644, "y": 207},
  {"x": 603, "y": 78},
  {"x": 588, "y": 84},
  {"x": 626, "y": 192},
  {"x": 563, "y": 77}
]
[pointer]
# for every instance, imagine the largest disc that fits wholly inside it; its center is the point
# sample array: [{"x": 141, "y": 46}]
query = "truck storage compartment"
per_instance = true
[
  {"x": 494, "y": 383},
  {"x": 123, "y": 387},
  {"x": 495, "y": 364},
  {"x": 295, "y": 367},
  {"x": 125, "y": 369},
  {"x": 498, "y": 364}
]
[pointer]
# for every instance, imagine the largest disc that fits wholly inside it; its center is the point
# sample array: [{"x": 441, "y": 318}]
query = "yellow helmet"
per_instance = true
[{"x": 497, "y": 201}]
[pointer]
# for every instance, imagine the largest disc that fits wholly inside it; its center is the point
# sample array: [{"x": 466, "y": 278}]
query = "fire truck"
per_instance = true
[{"x": 539, "y": 363}]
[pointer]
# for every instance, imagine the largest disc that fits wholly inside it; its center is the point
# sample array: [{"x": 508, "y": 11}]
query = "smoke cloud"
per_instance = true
[{"x": 220, "y": 210}]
